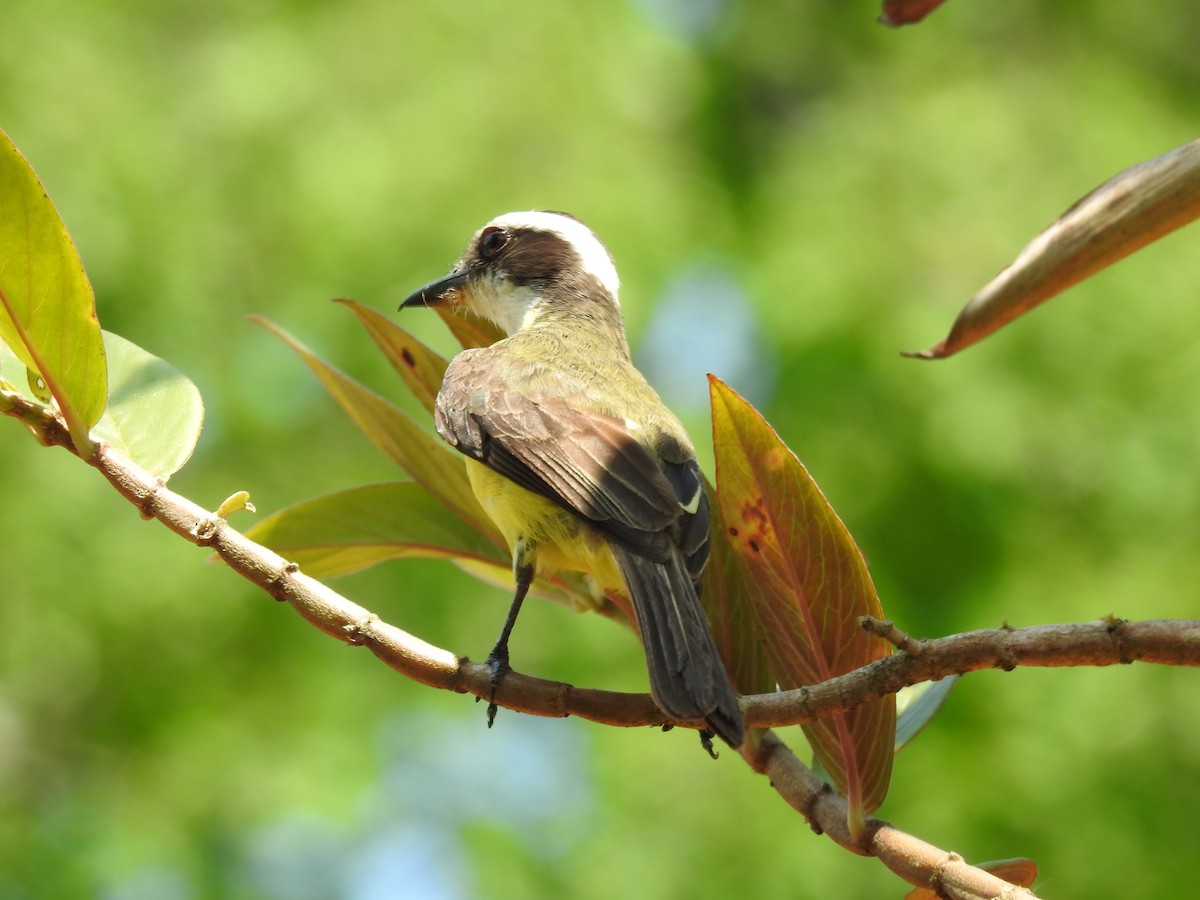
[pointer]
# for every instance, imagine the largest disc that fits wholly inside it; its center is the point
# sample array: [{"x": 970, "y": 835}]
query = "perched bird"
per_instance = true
[{"x": 572, "y": 453}]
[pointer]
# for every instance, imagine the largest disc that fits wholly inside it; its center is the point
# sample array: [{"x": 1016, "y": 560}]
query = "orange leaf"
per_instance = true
[
  {"x": 807, "y": 584},
  {"x": 420, "y": 367},
  {"x": 469, "y": 329}
]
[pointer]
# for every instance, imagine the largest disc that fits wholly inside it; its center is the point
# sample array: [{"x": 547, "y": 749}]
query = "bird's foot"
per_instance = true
[
  {"x": 497, "y": 662},
  {"x": 706, "y": 737}
]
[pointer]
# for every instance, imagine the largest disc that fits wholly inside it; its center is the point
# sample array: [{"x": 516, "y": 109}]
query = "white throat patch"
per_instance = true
[{"x": 502, "y": 302}]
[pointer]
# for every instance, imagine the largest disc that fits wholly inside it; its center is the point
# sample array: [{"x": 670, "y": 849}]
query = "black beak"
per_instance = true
[{"x": 434, "y": 293}]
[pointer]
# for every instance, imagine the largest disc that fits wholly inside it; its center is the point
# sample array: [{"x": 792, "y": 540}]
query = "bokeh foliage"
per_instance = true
[{"x": 166, "y": 732}]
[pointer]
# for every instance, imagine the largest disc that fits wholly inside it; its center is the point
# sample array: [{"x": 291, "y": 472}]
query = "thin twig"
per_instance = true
[{"x": 1107, "y": 642}]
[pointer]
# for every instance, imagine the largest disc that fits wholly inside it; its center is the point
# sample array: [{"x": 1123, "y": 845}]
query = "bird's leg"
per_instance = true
[{"x": 497, "y": 660}]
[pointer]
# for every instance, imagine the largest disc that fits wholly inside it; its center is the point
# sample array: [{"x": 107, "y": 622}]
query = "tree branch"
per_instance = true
[
  {"x": 1110, "y": 641},
  {"x": 1106, "y": 642},
  {"x": 907, "y": 856}
]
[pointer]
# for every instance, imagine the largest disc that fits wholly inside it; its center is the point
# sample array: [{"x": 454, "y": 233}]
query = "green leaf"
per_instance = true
[
  {"x": 806, "y": 584},
  {"x": 154, "y": 412},
  {"x": 14, "y": 375},
  {"x": 354, "y": 529},
  {"x": 351, "y": 530},
  {"x": 47, "y": 310},
  {"x": 420, "y": 367},
  {"x": 428, "y": 461},
  {"x": 917, "y": 704}
]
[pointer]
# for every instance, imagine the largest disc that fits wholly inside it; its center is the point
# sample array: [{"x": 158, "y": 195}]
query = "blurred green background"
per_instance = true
[{"x": 793, "y": 194}]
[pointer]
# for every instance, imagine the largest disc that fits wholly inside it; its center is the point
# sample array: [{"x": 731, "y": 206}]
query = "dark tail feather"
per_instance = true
[{"x": 687, "y": 677}]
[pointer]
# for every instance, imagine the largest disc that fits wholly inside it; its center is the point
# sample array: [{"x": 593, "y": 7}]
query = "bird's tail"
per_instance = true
[{"x": 687, "y": 678}]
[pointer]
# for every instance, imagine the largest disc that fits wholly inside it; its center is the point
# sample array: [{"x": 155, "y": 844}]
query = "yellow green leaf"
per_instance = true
[
  {"x": 154, "y": 412},
  {"x": 427, "y": 460},
  {"x": 238, "y": 501},
  {"x": 350, "y": 530},
  {"x": 353, "y": 529},
  {"x": 47, "y": 309}
]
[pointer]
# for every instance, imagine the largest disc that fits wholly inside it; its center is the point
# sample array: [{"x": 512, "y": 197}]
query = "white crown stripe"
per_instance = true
[{"x": 593, "y": 255}]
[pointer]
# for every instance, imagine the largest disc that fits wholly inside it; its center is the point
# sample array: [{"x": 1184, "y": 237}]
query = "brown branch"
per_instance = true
[
  {"x": 907, "y": 856},
  {"x": 1106, "y": 642},
  {"x": 912, "y": 859}
]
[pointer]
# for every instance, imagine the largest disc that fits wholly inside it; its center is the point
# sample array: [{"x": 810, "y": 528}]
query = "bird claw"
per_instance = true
[{"x": 497, "y": 662}]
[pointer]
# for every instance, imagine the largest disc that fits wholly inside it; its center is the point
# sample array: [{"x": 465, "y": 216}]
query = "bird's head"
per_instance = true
[{"x": 525, "y": 267}]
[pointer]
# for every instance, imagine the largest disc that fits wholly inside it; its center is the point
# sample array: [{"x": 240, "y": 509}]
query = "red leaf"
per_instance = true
[
  {"x": 807, "y": 584},
  {"x": 906, "y": 12},
  {"x": 726, "y": 598}
]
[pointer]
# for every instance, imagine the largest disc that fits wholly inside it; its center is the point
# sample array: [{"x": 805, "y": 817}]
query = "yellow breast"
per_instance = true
[{"x": 562, "y": 540}]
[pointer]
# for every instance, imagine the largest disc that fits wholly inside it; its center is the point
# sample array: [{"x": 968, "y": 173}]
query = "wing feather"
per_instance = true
[{"x": 583, "y": 460}]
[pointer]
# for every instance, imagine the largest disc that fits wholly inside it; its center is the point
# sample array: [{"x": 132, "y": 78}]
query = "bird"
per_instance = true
[{"x": 575, "y": 457}]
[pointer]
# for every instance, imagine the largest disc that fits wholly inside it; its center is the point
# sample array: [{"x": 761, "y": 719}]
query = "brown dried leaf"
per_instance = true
[{"x": 1124, "y": 214}]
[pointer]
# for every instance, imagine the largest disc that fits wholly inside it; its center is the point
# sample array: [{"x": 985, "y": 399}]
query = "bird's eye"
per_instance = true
[{"x": 492, "y": 241}]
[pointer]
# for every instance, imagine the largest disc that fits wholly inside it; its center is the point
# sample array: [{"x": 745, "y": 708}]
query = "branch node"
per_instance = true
[
  {"x": 275, "y": 586},
  {"x": 562, "y": 699},
  {"x": 886, "y": 629},
  {"x": 147, "y": 501},
  {"x": 1006, "y": 659},
  {"x": 937, "y": 878},
  {"x": 804, "y": 700},
  {"x": 361, "y": 631},
  {"x": 1116, "y": 633},
  {"x": 809, "y": 808},
  {"x": 205, "y": 530}
]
